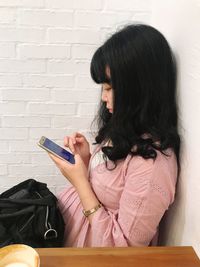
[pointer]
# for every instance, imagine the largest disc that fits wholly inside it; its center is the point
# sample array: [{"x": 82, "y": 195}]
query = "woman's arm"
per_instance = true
[
  {"x": 148, "y": 192},
  {"x": 78, "y": 177}
]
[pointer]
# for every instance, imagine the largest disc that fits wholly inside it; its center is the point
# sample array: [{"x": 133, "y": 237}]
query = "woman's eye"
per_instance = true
[{"x": 106, "y": 88}]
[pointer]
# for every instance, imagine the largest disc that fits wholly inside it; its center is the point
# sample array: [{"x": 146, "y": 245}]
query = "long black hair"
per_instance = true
[{"x": 143, "y": 77}]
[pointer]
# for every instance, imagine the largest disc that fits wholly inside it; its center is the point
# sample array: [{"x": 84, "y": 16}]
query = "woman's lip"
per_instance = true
[{"x": 110, "y": 109}]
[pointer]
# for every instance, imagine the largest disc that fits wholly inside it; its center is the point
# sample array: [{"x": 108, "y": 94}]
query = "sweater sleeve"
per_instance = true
[{"x": 149, "y": 190}]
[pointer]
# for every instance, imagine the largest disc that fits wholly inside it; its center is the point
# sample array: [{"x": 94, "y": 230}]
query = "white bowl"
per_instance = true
[{"x": 19, "y": 255}]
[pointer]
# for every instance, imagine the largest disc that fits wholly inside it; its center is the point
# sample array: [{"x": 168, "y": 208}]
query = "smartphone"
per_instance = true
[{"x": 56, "y": 150}]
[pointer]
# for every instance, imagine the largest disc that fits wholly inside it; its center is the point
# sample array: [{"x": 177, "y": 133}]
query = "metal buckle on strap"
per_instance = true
[{"x": 50, "y": 234}]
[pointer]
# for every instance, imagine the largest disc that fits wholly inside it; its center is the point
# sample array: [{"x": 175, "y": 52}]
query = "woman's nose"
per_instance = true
[{"x": 104, "y": 97}]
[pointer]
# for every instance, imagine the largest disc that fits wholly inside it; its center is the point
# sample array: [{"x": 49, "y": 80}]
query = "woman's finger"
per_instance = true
[
  {"x": 71, "y": 145},
  {"x": 78, "y": 134},
  {"x": 80, "y": 139},
  {"x": 59, "y": 162},
  {"x": 66, "y": 141},
  {"x": 55, "y": 159},
  {"x": 74, "y": 136}
]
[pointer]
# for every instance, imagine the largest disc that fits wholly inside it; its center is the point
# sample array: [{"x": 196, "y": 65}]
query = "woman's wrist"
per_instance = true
[
  {"x": 87, "y": 196},
  {"x": 84, "y": 189},
  {"x": 87, "y": 160}
]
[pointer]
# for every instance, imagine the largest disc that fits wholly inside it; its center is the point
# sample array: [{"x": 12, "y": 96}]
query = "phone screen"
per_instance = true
[{"x": 56, "y": 149}]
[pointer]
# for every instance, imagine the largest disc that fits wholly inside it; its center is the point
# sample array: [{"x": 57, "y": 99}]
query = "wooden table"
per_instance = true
[{"x": 119, "y": 257}]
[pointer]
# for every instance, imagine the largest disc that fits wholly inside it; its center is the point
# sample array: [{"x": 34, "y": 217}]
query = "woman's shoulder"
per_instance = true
[
  {"x": 164, "y": 165},
  {"x": 153, "y": 176},
  {"x": 163, "y": 159}
]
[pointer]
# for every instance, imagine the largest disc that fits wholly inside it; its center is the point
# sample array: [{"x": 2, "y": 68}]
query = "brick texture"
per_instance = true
[{"x": 45, "y": 85}]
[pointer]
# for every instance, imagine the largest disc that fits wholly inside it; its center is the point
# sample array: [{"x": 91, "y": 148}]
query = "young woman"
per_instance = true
[{"x": 120, "y": 192}]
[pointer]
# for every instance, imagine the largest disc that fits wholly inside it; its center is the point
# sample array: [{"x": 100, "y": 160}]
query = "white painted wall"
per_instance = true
[
  {"x": 180, "y": 23},
  {"x": 45, "y": 85}
]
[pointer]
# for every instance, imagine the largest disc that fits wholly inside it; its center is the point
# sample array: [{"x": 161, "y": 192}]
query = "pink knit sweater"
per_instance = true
[{"x": 134, "y": 195}]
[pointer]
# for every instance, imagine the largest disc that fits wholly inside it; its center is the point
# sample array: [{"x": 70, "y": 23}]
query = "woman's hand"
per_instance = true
[
  {"x": 75, "y": 173},
  {"x": 78, "y": 144}
]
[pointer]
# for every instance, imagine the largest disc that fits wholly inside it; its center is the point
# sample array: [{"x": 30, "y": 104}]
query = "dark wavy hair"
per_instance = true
[{"x": 143, "y": 77}]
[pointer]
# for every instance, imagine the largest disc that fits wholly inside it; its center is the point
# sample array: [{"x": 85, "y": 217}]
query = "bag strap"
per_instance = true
[
  {"x": 47, "y": 201},
  {"x": 29, "y": 209}
]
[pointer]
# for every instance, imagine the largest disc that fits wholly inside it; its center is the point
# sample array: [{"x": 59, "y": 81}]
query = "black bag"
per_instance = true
[{"x": 29, "y": 215}]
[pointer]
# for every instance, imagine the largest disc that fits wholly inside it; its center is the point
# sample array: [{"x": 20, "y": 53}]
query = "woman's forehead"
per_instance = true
[{"x": 108, "y": 71}]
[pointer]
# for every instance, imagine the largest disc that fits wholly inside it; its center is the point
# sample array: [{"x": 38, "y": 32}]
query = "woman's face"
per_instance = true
[
  {"x": 107, "y": 92},
  {"x": 107, "y": 96}
]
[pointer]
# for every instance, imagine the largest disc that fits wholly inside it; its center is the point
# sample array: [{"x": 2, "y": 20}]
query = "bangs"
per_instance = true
[{"x": 98, "y": 67}]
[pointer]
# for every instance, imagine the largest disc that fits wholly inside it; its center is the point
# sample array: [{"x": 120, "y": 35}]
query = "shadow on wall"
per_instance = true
[{"x": 170, "y": 232}]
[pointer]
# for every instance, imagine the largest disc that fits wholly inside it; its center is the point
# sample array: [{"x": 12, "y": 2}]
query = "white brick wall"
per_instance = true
[{"x": 45, "y": 86}]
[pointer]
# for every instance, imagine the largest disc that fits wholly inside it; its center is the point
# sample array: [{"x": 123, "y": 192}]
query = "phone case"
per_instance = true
[{"x": 56, "y": 150}]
